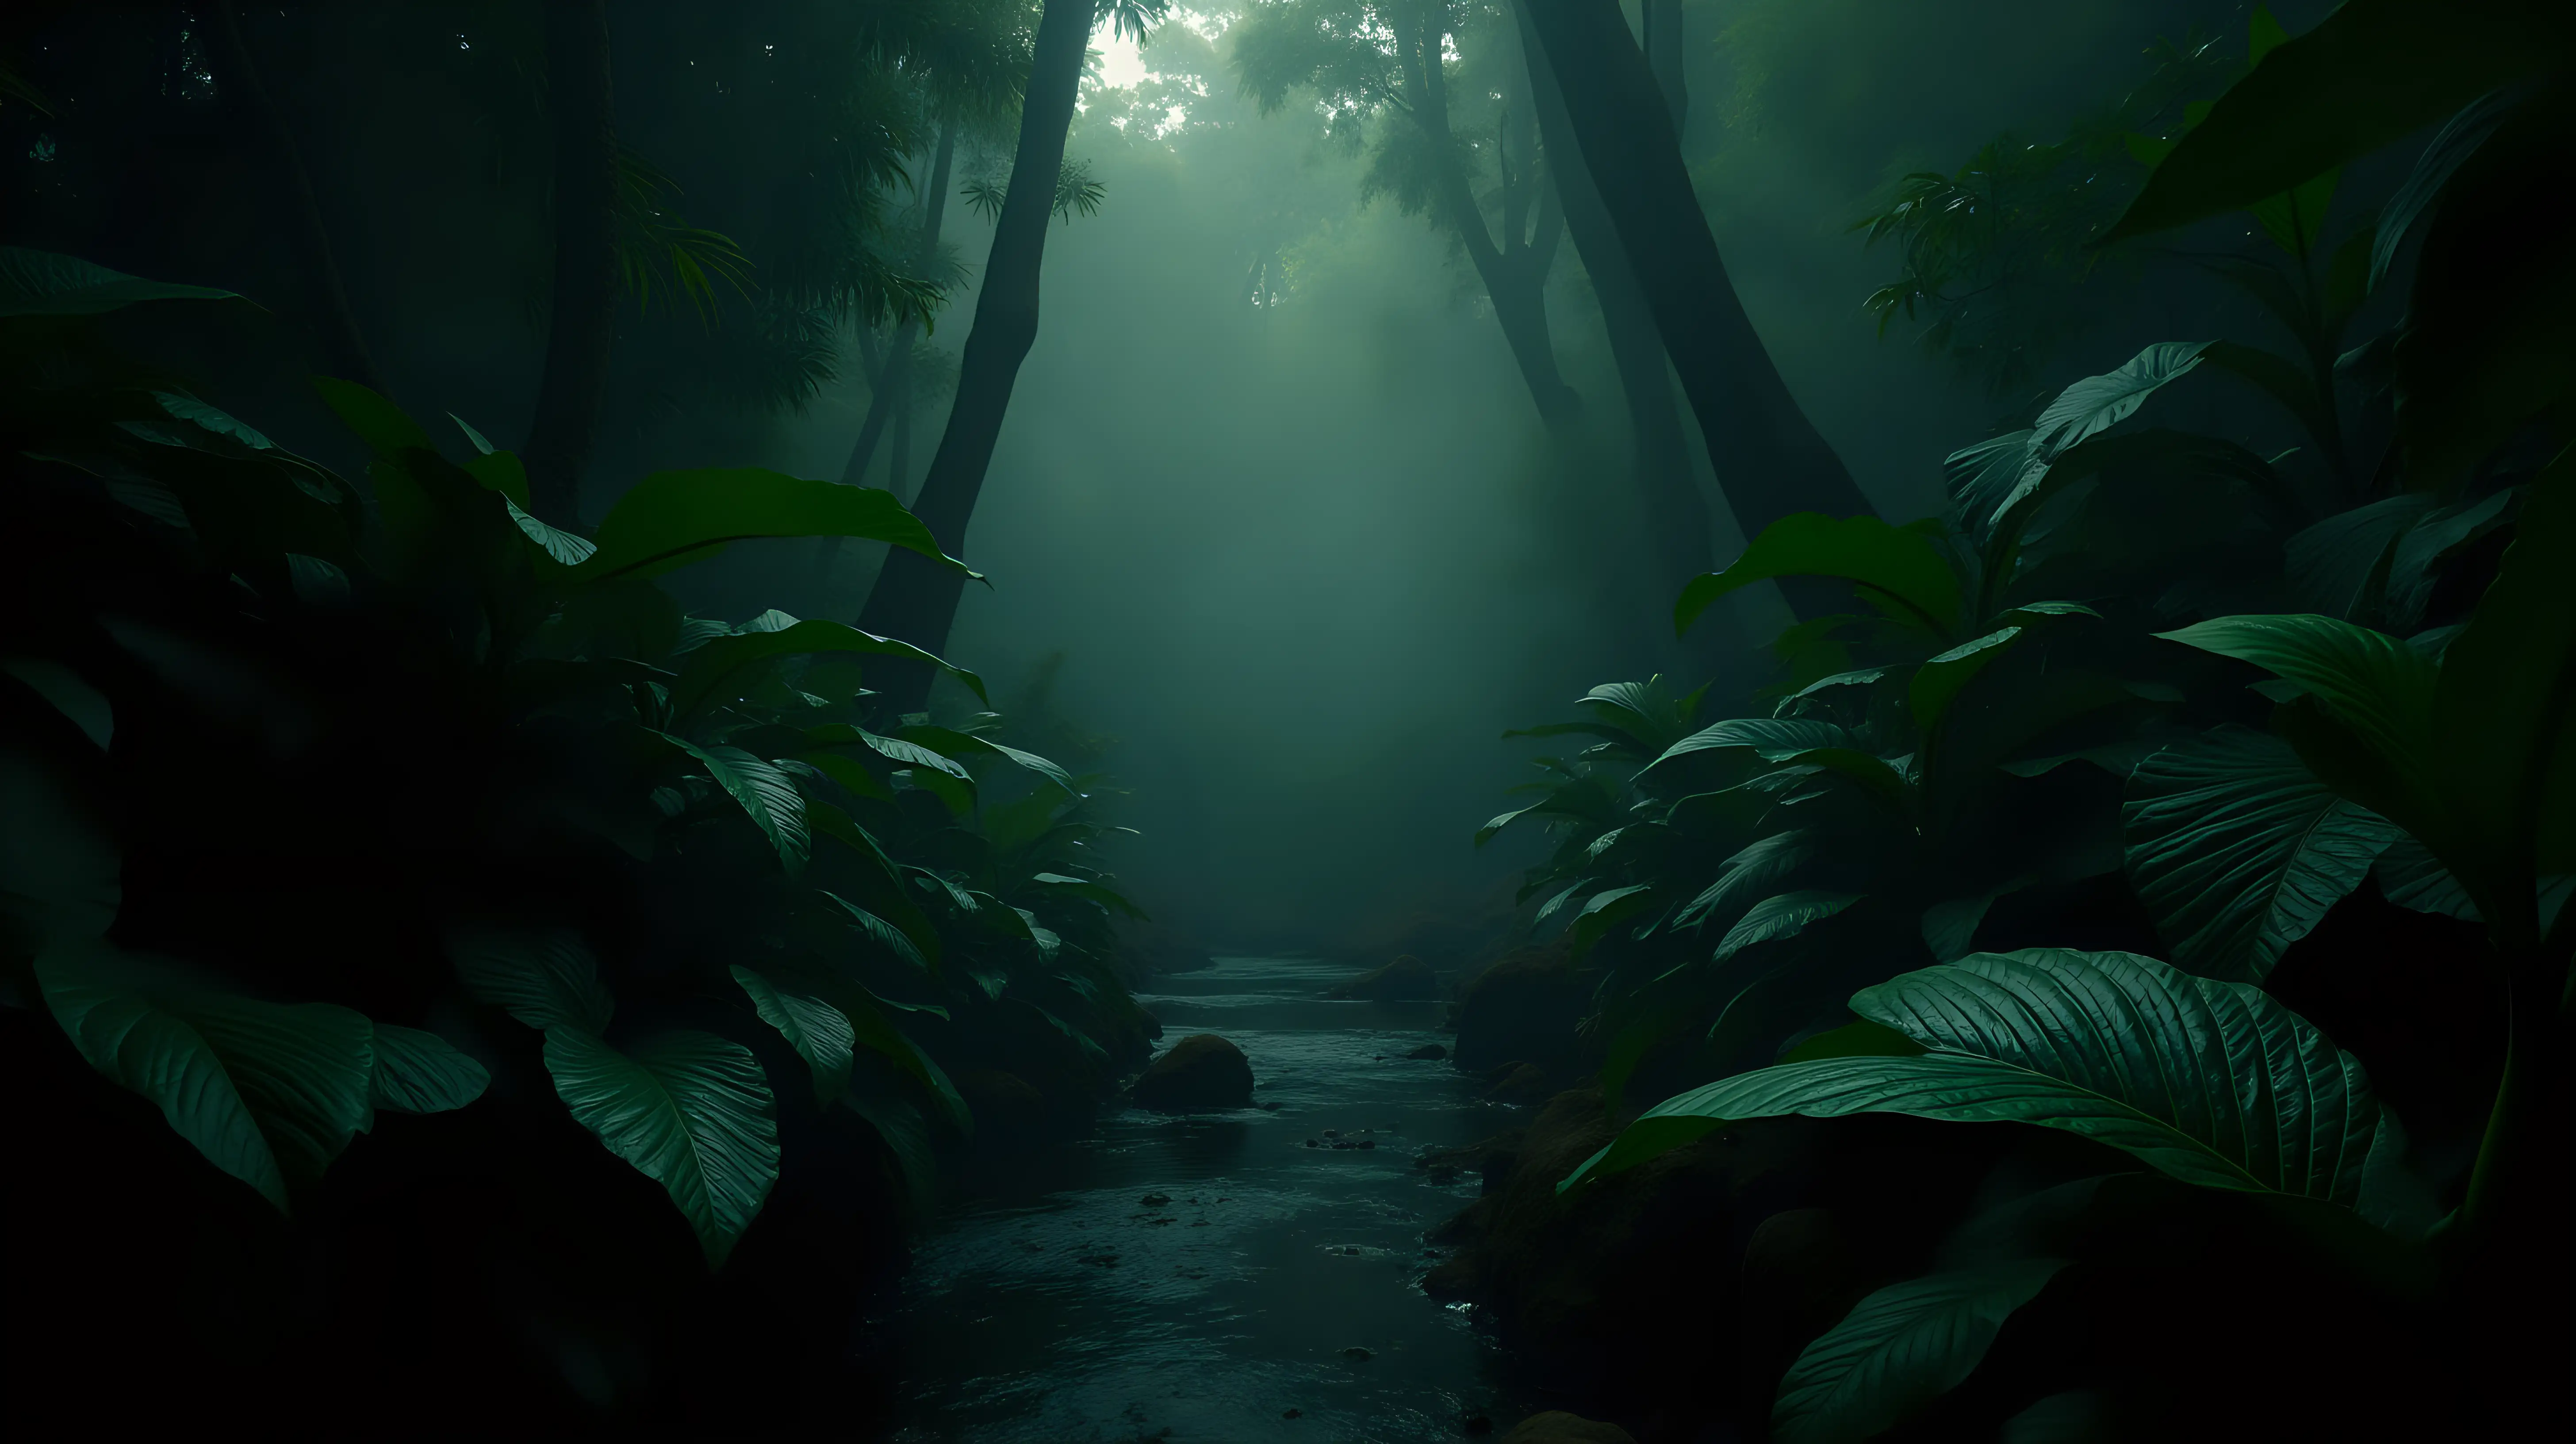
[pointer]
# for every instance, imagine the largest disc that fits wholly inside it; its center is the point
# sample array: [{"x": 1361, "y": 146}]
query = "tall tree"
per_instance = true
[
  {"x": 891, "y": 382},
  {"x": 260, "y": 133},
  {"x": 1677, "y": 513},
  {"x": 919, "y": 602},
  {"x": 583, "y": 320},
  {"x": 1369, "y": 58},
  {"x": 1768, "y": 456}
]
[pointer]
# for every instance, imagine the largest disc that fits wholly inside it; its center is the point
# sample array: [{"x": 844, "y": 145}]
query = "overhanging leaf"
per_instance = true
[
  {"x": 41, "y": 283},
  {"x": 1899, "y": 1349},
  {"x": 1785, "y": 916},
  {"x": 544, "y": 979},
  {"x": 765, "y": 791},
  {"x": 673, "y": 518},
  {"x": 1897, "y": 569},
  {"x": 818, "y": 1032},
  {"x": 268, "y": 1092},
  {"x": 1938, "y": 682},
  {"x": 421, "y": 1072},
  {"x": 2214, "y": 1083},
  {"x": 689, "y": 1110},
  {"x": 2239, "y": 851}
]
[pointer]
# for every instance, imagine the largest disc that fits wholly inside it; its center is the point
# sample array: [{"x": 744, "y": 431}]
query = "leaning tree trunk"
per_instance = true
[
  {"x": 1514, "y": 271},
  {"x": 1663, "y": 38},
  {"x": 1769, "y": 458},
  {"x": 1677, "y": 513},
  {"x": 260, "y": 133},
  {"x": 583, "y": 322},
  {"x": 914, "y": 599}
]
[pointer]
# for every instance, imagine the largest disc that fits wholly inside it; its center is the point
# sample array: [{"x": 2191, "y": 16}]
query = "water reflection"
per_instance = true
[{"x": 1199, "y": 1277}]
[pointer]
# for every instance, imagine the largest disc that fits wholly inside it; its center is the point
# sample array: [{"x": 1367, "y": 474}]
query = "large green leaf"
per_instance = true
[
  {"x": 2372, "y": 72},
  {"x": 673, "y": 518},
  {"x": 2097, "y": 403},
  {"x": 765, "y": 791},
  {"x": 1899, "y": 1349},
  {"x": 2504, "y": 715},
  {"x": 2373, "y": 685},
  {"x": 1897, "y": 569},
  {"x": 2339, "y": 563},
  {"x": 819, "y": 1032},
  {"x": 2458, "y": 139},
  {"x": 876, "y": 1031},
  {"x": 1938, "y": 682},
  {"x": 544, "y": 979},
  {"x": 1776, "y": 918},
  {"x": 881, "y": 932},
  {"x": 950, "y": 743},
  {"x": 2212, "y": 1082},
  {"x": 726, "y": 667},
  {"x": 1058, "y": 885},
  {"x": 893, "y": 749},
  {"x": 385, "y": 427},
  {"x": 1796, "y": 741},
  {"x": 41, "y": 283},
  {"x": 420, "y": 1072},
  {"x": 2238, "y": 850},
  {"x": 689, "y": 1110},
  {"x": 269, "y": 1092},
  {"x": 1980, "y": 476},
  {"x": 1750, "y": 874}
]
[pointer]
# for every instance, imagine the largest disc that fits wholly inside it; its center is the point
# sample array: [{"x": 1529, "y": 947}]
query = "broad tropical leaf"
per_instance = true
[
  {"x": 2366, "y": 76},
  {"x": 2372, "y": 684},
  {"x": 2238, "y": 850},
  {"x": 421, "y": 1072},
  {"x": 818, "y": 1032},
  {"x": 673, "y": 518},
  {"x": 1750, "y": 874},
  {"x": 766, "y": 792},
  {"x": 689, "y": 1110},
  {"x": 41, "y": 283},
  {"x": 1897, "y": 569},
  {"x": 955, "y": 745},
  {"x": 1938, "y": 682},
  {"x": 881, "y": 932},
  {"x": 1899, "y": 1349},
  {"x": 2458, "y": 139},
  {"x": 2214, "y": 1083},
  {"x": 269, "y": 1092},
  {"x": 1775, "y": 918},
  {"x": 1058, "y": 885},
  {"x": 544, "y": 979},
  {"x": 2410, "y": 876}
]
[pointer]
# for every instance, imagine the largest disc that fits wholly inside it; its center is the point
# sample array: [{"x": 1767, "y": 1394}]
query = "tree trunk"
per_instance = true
[
  {"x": 899, "y": 454},
  {"x": 260, "y": 133},
  {"x": 1663, "y": 38},
  {"x": 893, "y": 387},
  {"x": 583, "y": 324},
  {"x": 1768, "y": 457},
  {"x": 914, "y": 599},
  {"x": 1513, "y": 273},
  {"x": 1677, "y": 512}
]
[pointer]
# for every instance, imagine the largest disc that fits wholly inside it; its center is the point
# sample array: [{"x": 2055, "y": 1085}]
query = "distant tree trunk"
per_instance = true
[
  {"x": 1768, "y": 457},
  {"x": 1677, "y": 513},
  {"x": 260, "y": 133},
  {"x": 1663, "y": 40},
  {"x": 892, "y": 388},
  {"x": 583, "y": 323},
  {"x": 913, "y": 599},
  {"x": 899, "y": 451},
  {"x": 1515, "y": 270}
]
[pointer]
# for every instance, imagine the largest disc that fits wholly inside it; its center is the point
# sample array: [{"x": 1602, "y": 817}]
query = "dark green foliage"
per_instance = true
[{"x": 635, "y": 833}]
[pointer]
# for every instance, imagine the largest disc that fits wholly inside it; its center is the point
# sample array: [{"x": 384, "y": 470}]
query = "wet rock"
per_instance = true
[
  {"x": 1292, "y": 1413},
  {"x": 1155, "y": 1200},
  {"x": 1522, "y": 1009},
  {"x": 1332, "y": 1133},
  {"x": 1267, "y": 1107},
  {"x": 1520, "y": 1083},
  {"x": 1314, "y": 1143},
  {"x": 1406, "y": 977},
  {"x": 1004, "y": 1104},
  {"x": 1429, "y": 1053},
  {"x": 1490, "y": 1158},
  {"x": 1367, "y": 1143},
  {"x": 1202, "y": 1071},
  {"x": 1358, "y": 1355},
  {"x": 1559, "y": 1427}
]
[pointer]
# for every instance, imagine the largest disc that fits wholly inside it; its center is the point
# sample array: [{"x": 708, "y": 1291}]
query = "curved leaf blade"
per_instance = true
[
  {"x": 2213, "y": 1083},
  {"x": 1897, "y": 568},
  {"x": 673, "y": 518},
  {"x": 420, "y": 1072},
  {"x": 766, "y": 792},
  {"x": 543, "y": 979},
  {"x": 1776, "y": 918},
  {"x": 2239, "y": 850},
  {"x": 1899, "y": 1349},
  {"x": 819, "y": 1032},
  {"x": 42, "y": 283},
  {"x": 688, "y": 1110}
]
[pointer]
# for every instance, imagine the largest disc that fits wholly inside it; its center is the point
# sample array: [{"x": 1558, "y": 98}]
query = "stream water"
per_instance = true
[{"x": 1061, "y": 1305}]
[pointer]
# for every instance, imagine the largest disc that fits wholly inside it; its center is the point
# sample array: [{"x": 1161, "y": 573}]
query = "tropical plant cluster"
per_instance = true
[
  {"x": 2026, "y": 834},
  {"x": 326, "y": 808}
]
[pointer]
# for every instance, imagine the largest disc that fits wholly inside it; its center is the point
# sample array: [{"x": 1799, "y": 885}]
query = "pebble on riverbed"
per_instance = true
[
  {"x": 1358, "y": 1355},
  {"x": 1155, "y": 1200}
]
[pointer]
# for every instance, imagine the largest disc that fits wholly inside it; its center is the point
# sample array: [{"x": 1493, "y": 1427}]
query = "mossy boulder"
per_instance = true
[
  {"x": 1202, "y": 1071},
  {"x": 1408, "y": 977}
]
